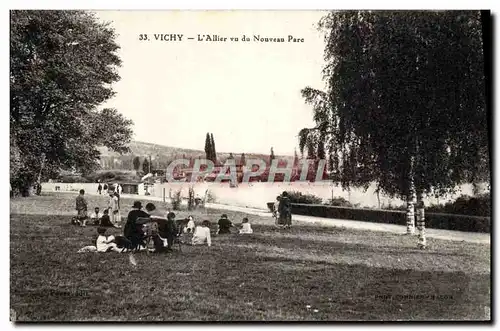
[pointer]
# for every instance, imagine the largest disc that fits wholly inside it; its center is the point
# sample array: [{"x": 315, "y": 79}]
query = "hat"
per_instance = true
[
  {"x": 137, "y": 204},
  {"x": 170, "y": 215},
  {"x": 224, "y": 216}
]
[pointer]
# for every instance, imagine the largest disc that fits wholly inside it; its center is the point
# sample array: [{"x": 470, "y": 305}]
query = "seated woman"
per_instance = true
[{"x": 202, "y": 234}]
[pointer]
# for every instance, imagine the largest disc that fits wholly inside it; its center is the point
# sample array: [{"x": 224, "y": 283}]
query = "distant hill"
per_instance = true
[{"x": 162, "y": 155}]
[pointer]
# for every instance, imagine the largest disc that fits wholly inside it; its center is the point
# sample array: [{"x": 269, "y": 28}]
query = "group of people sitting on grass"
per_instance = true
[
  {"x": 109, "y": 218},
  {"x": 149, "y": 224}
]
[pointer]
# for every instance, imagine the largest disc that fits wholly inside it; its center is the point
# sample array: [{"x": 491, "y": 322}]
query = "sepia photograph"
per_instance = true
[{"x": 250, "y": 165}]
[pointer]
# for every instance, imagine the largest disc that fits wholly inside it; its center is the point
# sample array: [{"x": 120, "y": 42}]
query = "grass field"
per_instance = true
[{"x": 307, "y": 273}]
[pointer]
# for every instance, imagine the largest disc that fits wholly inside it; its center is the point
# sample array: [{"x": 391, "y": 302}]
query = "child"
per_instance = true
[
  {"x": 190, "y": 225},
  {"x": 202, "y": 234},
  {"x": 225, "y": 225},
  {"x": 246, "y": 227},
  {"x": 103, "y": 243},
  {"x": 95, "y": 217}
]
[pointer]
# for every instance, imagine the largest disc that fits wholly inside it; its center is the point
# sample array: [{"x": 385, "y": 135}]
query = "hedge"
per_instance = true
[{"x": 432, "y": 220}]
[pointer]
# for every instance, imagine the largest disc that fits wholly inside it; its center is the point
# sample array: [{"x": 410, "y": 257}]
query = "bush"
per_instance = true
[
  {"x": 211, "y": 198},
  {"x": 432, "y": 220},
  {"x": 177, "y": 200},
  {"x": 73, "y": 179},
  {"x": 339, "y": 202},
  {"x": 466, "y": 205},
  {"x": 299, "y": 197},
  {"x": 113, "y": 175}
]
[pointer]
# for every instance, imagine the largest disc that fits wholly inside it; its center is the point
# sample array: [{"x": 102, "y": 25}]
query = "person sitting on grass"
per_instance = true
[
  {"x": 202, "y": 234},
  {"x": 103, "y": 243},
  {"x": 190, "y": 225},
  {"x": 224, "y": 225},
  {"x": 105, "y": 220},
  {"x": 246, "y": 227},
  {"x": 96, "y": 216}
]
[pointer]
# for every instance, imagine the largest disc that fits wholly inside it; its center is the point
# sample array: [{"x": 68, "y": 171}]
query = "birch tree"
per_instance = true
[{"x": 403, "y": 103}]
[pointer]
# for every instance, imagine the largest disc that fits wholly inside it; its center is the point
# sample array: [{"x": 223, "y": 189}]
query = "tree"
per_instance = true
[
  {"x": 404, "y": 104},
  {"x": 62, "y": 65},
  {"x": 214, "y": 153},
  {"x": 145, "y": 166},
  {"x": 137, "y": 163},
  {"x": 272, "y": 156},
  {"x": 208, "y": 147}
]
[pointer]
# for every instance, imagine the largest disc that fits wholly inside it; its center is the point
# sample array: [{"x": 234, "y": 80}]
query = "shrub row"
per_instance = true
[
  {"x": 432, "y": 220},
  {"x": 466, "y": 205}
]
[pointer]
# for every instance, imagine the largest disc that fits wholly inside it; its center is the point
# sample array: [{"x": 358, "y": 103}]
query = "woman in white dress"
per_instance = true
[{"x": 114, "y": 209}]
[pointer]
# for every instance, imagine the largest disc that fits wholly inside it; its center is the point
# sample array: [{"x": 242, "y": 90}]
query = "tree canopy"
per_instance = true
[
  {"x": 404, "y": 100},
  {"x": 62, "y": 66}
]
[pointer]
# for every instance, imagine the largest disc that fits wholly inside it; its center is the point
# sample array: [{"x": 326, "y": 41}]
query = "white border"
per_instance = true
[{"x": 197, "y": 5}]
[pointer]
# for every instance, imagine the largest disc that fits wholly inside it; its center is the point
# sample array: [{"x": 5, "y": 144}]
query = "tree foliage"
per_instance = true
[
  {"x": 214, "y": 152},
  {"x": 145, "y": 166},
  {"x": 137, "y": 163},
  {"x": 404, "y": 100},
  {"x": 208, "y": 147},
  {"x": 272, "y": 156},
  {"x": 62, "y": 65}
]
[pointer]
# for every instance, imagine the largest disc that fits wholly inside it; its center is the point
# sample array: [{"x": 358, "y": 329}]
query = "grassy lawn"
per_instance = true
[{"x": 306, "y": 273}]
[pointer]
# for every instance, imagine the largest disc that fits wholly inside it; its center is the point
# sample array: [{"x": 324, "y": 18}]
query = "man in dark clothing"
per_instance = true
[
  {"x": 99, "y": 188},
  {"x": 131, "y": 230},
  {"x": 224, "y": 225},
  {"x": 81, "y": 208},
  {"x": 285, "y": 210}
]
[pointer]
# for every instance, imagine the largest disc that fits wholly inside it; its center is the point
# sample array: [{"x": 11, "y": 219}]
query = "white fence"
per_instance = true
[{"x": 256, "y": 195}]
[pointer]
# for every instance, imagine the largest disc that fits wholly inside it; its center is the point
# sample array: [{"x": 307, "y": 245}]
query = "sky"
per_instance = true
[{"x": 246, "y": 93}]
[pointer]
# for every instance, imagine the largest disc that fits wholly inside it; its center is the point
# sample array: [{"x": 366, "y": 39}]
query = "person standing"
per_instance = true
[
  {"x": 81, "y": 208},
  {"x": 131, "y": 230},
  {"x": 114, "y": 209},
  {"x": 105, "y": 188},
  {"x": 285, "y": 210},
  {"x": 120, "y": 189},
  {"x": 99, "y": 188},
  {"x": 171, "y": 230}
]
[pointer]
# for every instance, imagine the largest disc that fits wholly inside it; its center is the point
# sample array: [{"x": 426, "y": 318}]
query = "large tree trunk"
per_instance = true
[{"x": 422, "y": 241}]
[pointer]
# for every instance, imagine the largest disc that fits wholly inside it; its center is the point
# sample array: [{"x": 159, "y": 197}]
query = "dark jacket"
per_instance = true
[
  {"x": 225, "y": 226},
  {"x": 130, "y": 229}
]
